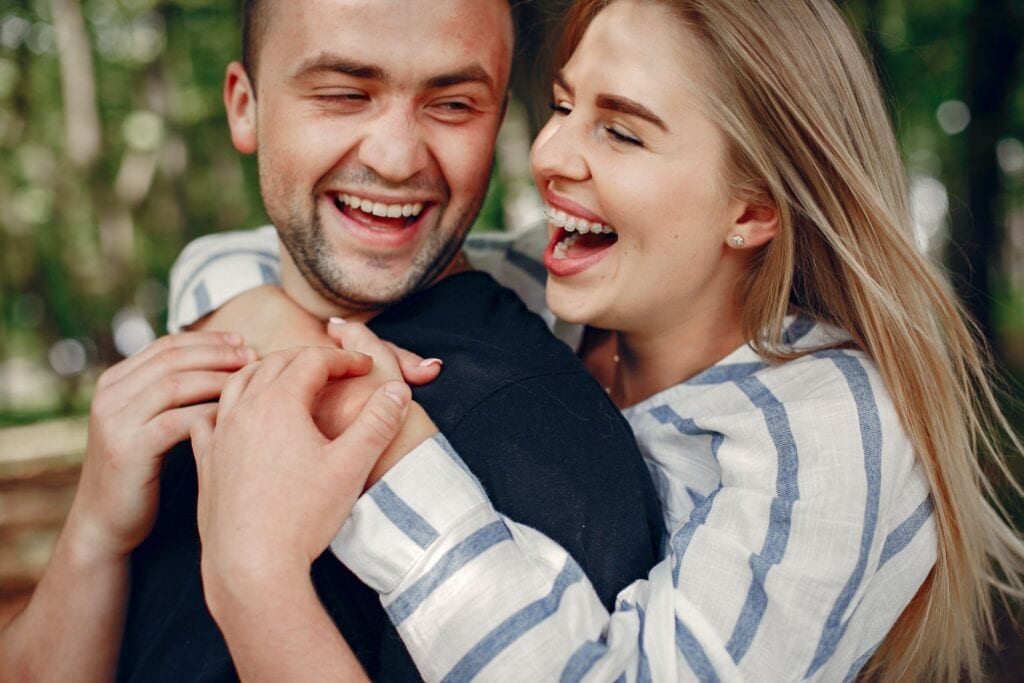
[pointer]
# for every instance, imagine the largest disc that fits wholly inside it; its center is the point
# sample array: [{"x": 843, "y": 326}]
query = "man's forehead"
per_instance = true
[{"x": 406, "y": 39}]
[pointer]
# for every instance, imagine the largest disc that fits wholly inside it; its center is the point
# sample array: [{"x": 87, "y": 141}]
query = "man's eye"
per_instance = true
[
  {"x": 620, "y": 136},
  {"x": 560, "y": 108},
  {"x": 341, "y": 97}
]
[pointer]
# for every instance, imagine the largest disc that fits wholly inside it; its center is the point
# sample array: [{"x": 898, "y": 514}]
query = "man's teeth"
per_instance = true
[
  {"x": 582, "y": 226},
  {"x": 381, "y": 210}
]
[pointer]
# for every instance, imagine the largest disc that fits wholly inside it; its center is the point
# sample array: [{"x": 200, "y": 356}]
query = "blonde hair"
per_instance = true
[{"x": 809, "y": 134}]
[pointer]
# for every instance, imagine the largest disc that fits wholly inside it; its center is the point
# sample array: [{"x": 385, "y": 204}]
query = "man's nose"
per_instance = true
[{"x": 394, "y": 146}]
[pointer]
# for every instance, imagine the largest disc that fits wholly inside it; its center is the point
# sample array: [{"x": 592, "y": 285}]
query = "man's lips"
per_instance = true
[{"x": 381, "y": 231}]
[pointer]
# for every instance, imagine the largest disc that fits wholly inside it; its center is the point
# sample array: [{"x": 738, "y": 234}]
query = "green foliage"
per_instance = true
[{"x": 88, "y": 234}]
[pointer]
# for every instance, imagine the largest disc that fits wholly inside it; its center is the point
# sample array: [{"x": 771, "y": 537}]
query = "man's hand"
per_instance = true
[
  {"x": 144, "y": 405},
  {"x": 273, "y": 490}
]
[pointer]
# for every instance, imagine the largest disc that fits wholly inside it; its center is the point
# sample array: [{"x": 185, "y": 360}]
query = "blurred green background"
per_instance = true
[{"x": 114, "y": 153}]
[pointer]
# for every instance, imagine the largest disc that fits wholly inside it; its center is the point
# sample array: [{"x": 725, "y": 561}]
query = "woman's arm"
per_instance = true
[
  {"x": 71, "y": 627},
  {"x": 214, "y": 269},
  {"x": 273, "y": 489},
  {"x": 794, "y": 566}
]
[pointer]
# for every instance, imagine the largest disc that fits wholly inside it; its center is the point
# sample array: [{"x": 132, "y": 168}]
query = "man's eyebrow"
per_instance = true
[
  {"x": 630, "y": 107},
  {"x": 329, "y": 63},
  {"x": 473, "y": 73}
]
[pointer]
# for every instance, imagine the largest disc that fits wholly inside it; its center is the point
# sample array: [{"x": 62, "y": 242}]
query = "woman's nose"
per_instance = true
[{"x": 557, "y": 151}]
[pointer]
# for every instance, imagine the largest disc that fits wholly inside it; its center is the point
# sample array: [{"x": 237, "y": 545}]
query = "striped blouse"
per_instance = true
[{"x": 799, "y": 520}]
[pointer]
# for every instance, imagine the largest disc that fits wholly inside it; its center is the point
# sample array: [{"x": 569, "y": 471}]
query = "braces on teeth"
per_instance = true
[
  {"x": 381, "y": 210},
  {"x": 573, "y": 224}
]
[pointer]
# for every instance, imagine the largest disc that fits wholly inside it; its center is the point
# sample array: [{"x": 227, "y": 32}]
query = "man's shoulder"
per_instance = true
[
  {"x": 489, "y": 343},
  {"x": 470, "y": 313}
]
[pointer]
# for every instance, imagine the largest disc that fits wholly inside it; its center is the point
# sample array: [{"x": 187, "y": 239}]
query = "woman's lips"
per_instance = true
[{"x": 570, "y": 253}]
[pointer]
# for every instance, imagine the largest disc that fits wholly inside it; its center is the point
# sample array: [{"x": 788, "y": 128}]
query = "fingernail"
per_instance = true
[
  {"x": 248, "y": 354},
  {"x": 426, "y": 363},
  {"x": 233, "y": 338},
  {"x": 397, "y": 392},
  {"x": 335, "y": 320}
]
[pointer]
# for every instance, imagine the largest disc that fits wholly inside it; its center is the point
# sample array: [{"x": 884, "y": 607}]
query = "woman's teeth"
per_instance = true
[
  {"x": 575, "y": 227},
  {"x": 381, "y": 210},
  {"x": 562, "y": 248},
  {"x": 561, "y": 219}
]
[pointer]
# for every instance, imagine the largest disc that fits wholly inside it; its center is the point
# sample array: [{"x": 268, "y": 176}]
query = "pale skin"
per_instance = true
[
  {"x": 142, "y": 407},
  {"x": 669, "y": 320},
  {"x": 435, "y": 130},
  {"x": 335, "y": 114}
]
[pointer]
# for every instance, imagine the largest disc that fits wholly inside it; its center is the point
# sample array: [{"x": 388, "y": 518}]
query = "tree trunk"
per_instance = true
[{"x": 995, "y": 30}]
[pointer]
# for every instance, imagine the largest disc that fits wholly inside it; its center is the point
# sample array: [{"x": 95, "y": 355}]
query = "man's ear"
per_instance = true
[
  {"x": 240, "y": 103},
  {"x": 756, "y": 221}
]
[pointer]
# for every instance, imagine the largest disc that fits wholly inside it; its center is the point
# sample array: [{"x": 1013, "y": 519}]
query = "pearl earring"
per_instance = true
[{"x": 737, "y": 241}]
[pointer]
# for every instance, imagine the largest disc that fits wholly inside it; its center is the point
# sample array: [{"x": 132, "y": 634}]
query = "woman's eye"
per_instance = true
[
  {"x": 620, "y": 136},
  {"x": 560, "y": 108}
]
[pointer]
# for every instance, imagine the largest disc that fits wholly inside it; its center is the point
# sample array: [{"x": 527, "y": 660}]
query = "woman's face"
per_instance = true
[{"x": 627, "y": 149}]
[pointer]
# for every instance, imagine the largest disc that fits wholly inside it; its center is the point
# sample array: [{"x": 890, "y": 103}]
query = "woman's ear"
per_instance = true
[
  {"x": 756, "y": 223},
  {"x": 240, "y": 103}
]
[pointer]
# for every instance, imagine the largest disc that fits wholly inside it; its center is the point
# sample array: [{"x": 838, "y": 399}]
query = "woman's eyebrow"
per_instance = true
[
  {"x": 560, "y": 81},
  {"x": 623, "y": 105},
  {"x": 630, "y": 107}
]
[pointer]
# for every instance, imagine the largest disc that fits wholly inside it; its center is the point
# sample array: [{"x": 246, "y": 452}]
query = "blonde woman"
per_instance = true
[{"x": 728, "y": 225}]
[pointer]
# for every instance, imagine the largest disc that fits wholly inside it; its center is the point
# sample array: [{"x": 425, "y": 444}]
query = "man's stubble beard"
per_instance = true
[{"x": 311, "y": 251}]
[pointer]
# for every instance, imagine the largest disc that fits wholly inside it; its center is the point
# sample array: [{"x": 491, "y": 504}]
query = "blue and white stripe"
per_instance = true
[{"x": 801, "y": 524}]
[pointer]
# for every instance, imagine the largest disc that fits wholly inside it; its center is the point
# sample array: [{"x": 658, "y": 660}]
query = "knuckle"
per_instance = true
[
  {"x": 104, "y": 379},
  {"x": 382, "y": 424},
  {"x": 170, "y": 356},
  {"x": 100, "y": 407},
  {"x": 172, "y": 386},
  {"x": 167, "y": 427}
]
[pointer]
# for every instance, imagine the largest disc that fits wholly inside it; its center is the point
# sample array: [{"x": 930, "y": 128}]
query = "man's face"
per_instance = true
[{"x": 374, "y": 121}]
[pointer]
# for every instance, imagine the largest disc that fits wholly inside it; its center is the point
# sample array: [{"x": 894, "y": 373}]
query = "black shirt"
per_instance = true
[{"x": 529, "y": 421}]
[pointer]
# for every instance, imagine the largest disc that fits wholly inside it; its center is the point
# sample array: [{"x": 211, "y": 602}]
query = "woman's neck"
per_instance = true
[{"x": 635, "y": 365}]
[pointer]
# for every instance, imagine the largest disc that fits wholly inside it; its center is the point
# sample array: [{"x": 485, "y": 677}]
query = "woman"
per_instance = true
[{"x": 728, "y": 217}]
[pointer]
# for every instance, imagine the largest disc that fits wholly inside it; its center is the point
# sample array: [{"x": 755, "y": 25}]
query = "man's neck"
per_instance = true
[{"x": 298, "y": 288}]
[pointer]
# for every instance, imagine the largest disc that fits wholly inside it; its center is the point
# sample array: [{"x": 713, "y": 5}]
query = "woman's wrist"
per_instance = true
[{"x": 418, "y": 428}]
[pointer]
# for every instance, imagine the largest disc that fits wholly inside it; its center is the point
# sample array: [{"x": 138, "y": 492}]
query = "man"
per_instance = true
[{"x": 374, "y": 122}]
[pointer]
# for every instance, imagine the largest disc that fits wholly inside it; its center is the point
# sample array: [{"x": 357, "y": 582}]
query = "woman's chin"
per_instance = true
[{"x": 573, "y": 307}]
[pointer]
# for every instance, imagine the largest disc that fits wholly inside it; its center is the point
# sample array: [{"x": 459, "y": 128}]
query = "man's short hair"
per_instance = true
[
  {"x": 253, "y": 27},
  {"x": 255, "y": 16}
]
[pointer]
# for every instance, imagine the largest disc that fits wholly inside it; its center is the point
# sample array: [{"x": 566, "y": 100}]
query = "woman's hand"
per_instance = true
[
  {"x": 273, "y": 489},
  {"x": 339, "y": 401},
  {"x": 142, "y": 407},
  {"x": 269, "y": 319}
]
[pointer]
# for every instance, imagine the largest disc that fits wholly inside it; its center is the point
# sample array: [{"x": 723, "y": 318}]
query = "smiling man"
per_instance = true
[
  {"x": 373, "y": 162},
  {"x": 374, "y": 122}
]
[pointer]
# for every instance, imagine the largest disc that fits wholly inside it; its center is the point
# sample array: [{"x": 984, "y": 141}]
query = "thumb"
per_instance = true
[
  {"x": 359, "y": 447},
  {"x": 415, "y": 368},
  {"x": 201, "y": 433}
]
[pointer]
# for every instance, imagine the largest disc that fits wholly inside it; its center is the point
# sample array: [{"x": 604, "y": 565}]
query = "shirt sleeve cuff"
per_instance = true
[
  {"x": 397, "y": 521},
  {"x": 214, "y": 269}
]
